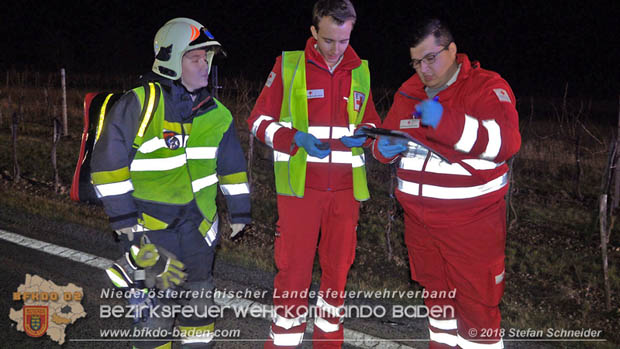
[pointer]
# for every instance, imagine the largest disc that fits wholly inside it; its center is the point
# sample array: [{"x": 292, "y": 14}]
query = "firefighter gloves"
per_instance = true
[
  {"x": 390, "y": 146},
  {"x": 431, "y": 111},
  {"x": 312, "y": 145},
  {"x": 162, "y": 269}
]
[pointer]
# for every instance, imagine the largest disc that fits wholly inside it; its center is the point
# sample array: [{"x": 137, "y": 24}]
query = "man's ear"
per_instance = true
[
  {"x": 452, "y": 49},
  {"x": 315, "y": 33}
]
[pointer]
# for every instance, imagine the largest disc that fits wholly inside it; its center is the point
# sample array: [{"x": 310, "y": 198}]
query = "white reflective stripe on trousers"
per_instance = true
[
  {"x": 495, "y": 139},
  {"x": 437, "y": 192},
  {"x": 331, "y": 309},
  {"x": 235, "y": 189},
  {"x": 467, "y": 344},
  {"x": 443, "y": 338},
  {"x": 325, "y": 325},
  {"x": 469, "y": 135},
  {"x": 287, "y": 323},
  {"x": 286, "y": 339},
  {"x": 205, "y": 338},
  {"x": 204, "y": 182},
  {"x": 258, "y": 121},
  {"x": 161, "y": 164},
  {"x": 111, "y": 189},
  {"x": 442, "y": 324},
  {"x": 201, "y": 152},
  {"x": 212, "y": 233}
]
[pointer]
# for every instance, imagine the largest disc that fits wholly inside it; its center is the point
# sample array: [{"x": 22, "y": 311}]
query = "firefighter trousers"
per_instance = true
[
  {"x": 195, "y": 330},
  {"x": 462, "y": 269},
  {"x": 334, "y": 214}
]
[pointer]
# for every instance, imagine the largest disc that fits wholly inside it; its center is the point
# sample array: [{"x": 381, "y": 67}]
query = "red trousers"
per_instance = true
[
  {"x": 334, "y": 214},
  {"x": 466, "y": 258}
]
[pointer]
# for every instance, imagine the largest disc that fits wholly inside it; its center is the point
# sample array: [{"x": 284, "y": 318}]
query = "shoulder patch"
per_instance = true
[
  {"x": 270, "y": 79},
  {"x": 502, "y": 95}
]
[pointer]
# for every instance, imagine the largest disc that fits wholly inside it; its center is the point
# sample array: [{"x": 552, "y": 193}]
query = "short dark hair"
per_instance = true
[
  {"x": 339, "y": 10},
  {"x": 434, "y": 27}
]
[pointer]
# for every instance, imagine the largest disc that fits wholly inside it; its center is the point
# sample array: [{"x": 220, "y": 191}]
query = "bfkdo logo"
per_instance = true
[{"x": 35, "y": 320}]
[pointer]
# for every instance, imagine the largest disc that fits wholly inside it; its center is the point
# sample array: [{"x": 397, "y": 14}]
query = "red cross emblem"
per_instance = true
[{"x": 359, "y": 100}]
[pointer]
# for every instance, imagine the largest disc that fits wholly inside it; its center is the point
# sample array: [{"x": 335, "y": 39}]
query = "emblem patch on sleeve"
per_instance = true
[
  {"x": 272, "y": 76},
  {"x": 502, "y": 95},
  {"x": 359, "y": 100}
]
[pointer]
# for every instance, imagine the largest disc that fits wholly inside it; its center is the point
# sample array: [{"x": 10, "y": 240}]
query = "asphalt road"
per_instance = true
[{"x": 16, "y": 261}]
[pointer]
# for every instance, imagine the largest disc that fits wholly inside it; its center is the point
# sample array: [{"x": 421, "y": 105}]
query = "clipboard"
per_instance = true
[{"x": 376, "y": 132}]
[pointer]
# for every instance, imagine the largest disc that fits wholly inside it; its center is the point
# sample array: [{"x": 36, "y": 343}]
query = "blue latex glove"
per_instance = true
[
  {"x": 389, "y": 148},
  {"x": 312, "y": 145},
  {"x": 431, "y": 111},
  {"x": 357, "y": 140}
]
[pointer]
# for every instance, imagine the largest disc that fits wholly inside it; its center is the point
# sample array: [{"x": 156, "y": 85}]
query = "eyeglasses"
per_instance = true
[{"x": 428, "y": 59}]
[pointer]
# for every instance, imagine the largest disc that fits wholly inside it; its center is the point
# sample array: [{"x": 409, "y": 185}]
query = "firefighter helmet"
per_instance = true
[{"x": 176, "y": 37}]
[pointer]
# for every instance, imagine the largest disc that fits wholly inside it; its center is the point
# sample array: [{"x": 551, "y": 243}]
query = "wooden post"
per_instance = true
[
  {"x": 250, "y": 159},
  {"x": 55, "y": 140},
  {"x": 65, "y": 126},
  {"x": 603, "y": 230},
  {"x": 391, "y": 212}
]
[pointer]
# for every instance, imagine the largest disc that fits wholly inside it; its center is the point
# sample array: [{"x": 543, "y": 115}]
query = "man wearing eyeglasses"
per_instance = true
[{"x": 455, "y": 213}]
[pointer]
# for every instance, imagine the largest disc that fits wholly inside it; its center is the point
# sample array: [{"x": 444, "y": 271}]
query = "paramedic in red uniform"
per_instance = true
[
  {"x": 311, "y": 111},
  {"x": 455, "y": 214}
]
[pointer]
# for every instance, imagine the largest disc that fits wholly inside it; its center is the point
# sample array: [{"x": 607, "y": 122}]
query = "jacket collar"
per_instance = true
[
  {"x": 180, "y": 99},
  {"x": 350, "y": 59}
]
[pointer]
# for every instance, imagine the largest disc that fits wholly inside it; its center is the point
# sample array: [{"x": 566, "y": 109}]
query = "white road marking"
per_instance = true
[{"x": 352, "y": 337}]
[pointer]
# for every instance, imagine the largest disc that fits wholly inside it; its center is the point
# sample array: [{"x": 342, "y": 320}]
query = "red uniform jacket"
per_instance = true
[
  {"x": 327, "y": 106},
  {"x": 478, "y": 132}
]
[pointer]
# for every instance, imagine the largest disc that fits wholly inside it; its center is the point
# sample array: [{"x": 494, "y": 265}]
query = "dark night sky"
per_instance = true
[{"x": 537, "y": 46}]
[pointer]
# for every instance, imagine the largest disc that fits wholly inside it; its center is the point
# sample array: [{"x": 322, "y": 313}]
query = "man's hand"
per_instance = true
[
  {"x": 357, "y": 140},
  {"x": 390, "y": 146},
  {"x": 431, "y": 111},
  {"x": 162, "y": 269},
  {"x": 237, "y": 230},
  {"x": 312, "y": 145}
]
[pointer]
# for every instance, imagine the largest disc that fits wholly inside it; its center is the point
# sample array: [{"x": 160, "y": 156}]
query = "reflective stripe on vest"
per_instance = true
[
  {"x": 178, "y": 176},
  {"x": 290, "y": 172}
]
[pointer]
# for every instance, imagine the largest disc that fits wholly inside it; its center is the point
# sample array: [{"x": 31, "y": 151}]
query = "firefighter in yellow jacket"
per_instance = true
[{"x": 156, "y": 165}]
